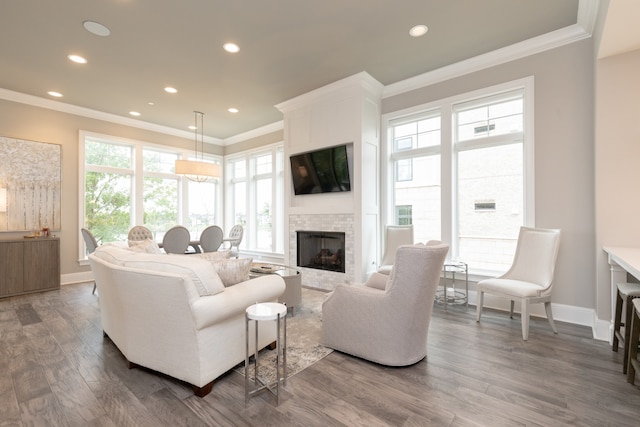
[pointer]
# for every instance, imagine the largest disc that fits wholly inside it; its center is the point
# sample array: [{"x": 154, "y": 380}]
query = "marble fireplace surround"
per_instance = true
[{"x": 323, "y": 279}]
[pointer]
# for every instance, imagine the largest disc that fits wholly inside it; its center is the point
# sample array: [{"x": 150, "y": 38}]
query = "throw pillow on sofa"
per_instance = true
[
  {"x": 147, "y": 246},
  {"x": 232, "y": 271}
]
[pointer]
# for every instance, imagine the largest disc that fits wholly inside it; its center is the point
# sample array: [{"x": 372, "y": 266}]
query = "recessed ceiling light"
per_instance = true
[
  {"x": 96, "y": 28},
  {"x": 151, "y": 103},
  {"x": 418, "y": 30},
  {"x": 54, "y": 93},
  {"x": 170, "y": 89},
  {"x": 192, "y": 127},
  {"x": 134, "y": 113},
  {"x": 233, "y": 110},
  {"x": 231, "y": 47},
  {"x": 77, "y": 59}
]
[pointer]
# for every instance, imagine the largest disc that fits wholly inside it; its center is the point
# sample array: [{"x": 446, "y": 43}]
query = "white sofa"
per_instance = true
[{"x": 172, "y": 314}]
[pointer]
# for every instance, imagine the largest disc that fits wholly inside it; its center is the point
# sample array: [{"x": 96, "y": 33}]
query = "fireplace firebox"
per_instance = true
[{"x": 322, "y": 250}]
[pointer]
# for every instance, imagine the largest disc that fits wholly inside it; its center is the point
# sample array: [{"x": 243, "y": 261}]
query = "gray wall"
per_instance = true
[{"x": 564, "y": 152}]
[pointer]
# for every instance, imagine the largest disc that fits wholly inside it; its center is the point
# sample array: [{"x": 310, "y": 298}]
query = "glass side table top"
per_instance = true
[{"x": 270, "y": 268}]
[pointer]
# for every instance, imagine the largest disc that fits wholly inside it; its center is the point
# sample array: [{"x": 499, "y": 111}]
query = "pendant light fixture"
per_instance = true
[{"x": 198, "y": 170}]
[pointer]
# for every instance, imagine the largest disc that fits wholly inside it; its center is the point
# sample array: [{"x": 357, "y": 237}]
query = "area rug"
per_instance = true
[{"x": 304, "y": 334}]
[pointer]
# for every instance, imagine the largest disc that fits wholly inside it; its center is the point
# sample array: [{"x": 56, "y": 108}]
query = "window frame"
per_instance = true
[
  {"x": 138, "y": 174},
  {"x": 446, "y": 107},
  {"x": 250, "y": 178}
]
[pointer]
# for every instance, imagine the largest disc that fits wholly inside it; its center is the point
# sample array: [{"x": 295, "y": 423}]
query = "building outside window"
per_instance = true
[{"x": 472, "y": 172}]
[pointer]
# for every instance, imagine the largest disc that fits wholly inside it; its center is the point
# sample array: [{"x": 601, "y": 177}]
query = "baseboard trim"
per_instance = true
[{"x": 72, "y": 278}]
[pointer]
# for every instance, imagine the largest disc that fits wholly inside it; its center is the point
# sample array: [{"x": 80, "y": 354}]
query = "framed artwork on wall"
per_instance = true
[{"x": 30, "y": 184}]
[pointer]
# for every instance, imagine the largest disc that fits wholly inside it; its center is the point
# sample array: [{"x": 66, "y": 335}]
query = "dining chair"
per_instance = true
[
  {"x": 234, "y": 239},
  {"x": 395, "y": 236},
  {"x": 530, "y": 278},
  {"x": 91, "y": 244},
  {"x": 211, "y": 238},
  {"x": 176, "y": 240},
  {"x": 139, "y": 233}
]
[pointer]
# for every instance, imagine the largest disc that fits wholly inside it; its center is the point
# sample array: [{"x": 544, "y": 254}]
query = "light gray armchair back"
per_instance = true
[{"x": 389, "y": 325}]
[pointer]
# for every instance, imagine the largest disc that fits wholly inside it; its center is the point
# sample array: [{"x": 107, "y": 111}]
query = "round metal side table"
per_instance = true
[
  {"x": 449, "y": 294},
  {"x": 265, "y": 312}
]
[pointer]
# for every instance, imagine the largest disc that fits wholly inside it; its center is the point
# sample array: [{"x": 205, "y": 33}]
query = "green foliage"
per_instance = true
[{"x": 107, "y": 201}]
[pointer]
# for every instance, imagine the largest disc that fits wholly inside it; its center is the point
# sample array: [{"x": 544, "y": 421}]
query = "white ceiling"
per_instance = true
[{"x": 288, "y": 48}]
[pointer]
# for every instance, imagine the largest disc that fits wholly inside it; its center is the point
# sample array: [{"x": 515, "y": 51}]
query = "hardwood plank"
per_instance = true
[{"x": 474, "y": 375}]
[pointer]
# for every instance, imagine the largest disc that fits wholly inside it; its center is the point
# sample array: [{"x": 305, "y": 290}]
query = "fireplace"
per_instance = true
[{"x": 322, "y": 250}]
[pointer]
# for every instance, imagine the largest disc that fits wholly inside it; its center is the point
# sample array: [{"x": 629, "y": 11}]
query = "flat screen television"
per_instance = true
[{"x": 321, "y": 171}]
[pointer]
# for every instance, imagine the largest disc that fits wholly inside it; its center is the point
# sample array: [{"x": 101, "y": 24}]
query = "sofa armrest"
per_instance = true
[{"x": 235, "y": 299}]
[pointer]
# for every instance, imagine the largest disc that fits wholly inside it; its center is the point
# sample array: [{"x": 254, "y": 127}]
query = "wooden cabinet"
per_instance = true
[{"x": 29, "y": 265}]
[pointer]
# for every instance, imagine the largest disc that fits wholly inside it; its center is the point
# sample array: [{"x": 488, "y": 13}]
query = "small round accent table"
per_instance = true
[
  {"x": 452, "y": 295},
  {"x": 265, "y": 312}
]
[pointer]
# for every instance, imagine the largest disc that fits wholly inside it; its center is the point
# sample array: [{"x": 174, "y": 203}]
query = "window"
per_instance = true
[
  {"x": 471, "y": 182},
  {"x": 254, "y": 198},
  {"x": 404, "y": 215},
  {"x": 130, "y": 182}
]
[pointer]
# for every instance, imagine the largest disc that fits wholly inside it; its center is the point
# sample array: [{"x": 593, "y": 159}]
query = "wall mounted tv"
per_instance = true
[{"x": 321, "y": 171}]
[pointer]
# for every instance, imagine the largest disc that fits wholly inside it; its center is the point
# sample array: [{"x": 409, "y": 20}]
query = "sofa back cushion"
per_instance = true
[
  {"x": 113, "y": 253},
  {"x": 201, "y": 272}
]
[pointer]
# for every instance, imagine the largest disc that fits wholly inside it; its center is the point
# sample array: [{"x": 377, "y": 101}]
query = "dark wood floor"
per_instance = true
[{"x": 56, "y": 369}]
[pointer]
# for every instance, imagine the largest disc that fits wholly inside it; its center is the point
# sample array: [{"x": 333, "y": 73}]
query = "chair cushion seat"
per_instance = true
[
  {"x": 517, "y": 288},
  {"x": 629, "y": 289}
]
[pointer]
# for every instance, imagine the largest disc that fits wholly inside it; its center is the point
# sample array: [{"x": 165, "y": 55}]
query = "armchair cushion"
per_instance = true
[{"x": 378, "y": 281}]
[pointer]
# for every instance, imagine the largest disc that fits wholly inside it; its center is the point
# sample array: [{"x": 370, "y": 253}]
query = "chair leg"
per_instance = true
[
  {"x": 524, "y": 319},
  {"x": 479, "y": 305},
  {"x": 512, "y": 306},
  {"x": 632, "y": 347},
  {"x": 547, "y": 308},
  {"x": 618, "y": 321},
  {"x": 627, "y": 331},
  {"x": 94, "y": 288}
]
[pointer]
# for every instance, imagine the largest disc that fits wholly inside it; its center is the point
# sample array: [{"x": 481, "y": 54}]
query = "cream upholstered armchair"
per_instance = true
[
  {"x": 386, "y": 320},
  {"x": 395, "y": 236},
  {"x": 530, "y": 278}
]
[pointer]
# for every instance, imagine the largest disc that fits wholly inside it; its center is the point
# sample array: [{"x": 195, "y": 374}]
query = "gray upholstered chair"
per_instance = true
[
  {"x": 91, "y": 244},
  {"x": 386, "y": 320},
  {"x": 211, "y": 238},
  {"x": 234, "y": 239},
  {"x": 395, "y": 236},
  {"x": 530, "y": 278},
  {"x": 139, "y": 233},
  {"x": 176, "y": 240}
]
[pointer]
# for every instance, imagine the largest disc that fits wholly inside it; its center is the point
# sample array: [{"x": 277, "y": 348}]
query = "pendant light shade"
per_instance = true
[{"x": 198, "y": 170}]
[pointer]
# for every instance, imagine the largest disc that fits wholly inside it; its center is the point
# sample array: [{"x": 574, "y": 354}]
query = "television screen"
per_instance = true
[{"x": 321, "y": 171}]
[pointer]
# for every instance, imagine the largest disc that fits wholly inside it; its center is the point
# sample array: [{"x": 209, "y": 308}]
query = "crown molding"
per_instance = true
[
  {"x": 62, "y": 107},
  {"x": 254, "y": 133},
  {"x": 362, "y": 80},
  {"x": 552, "y": 40}
]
